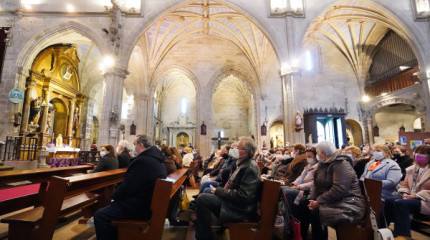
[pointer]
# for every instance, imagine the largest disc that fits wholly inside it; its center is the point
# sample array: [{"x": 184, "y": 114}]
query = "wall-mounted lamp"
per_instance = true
[{"x": 280, "y": 8}]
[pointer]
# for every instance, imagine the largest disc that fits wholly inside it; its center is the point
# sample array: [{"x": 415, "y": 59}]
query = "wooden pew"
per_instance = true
[
  {"x": 64, "y": 196},
  {"x": 264, "y": 228},
  {"x": 12, "y": 179},
  {"x": 260, "y": 165},
  {"x": 153, "y": 229},
  {"x": 421, "y": 224},
  {"x": 363, "y": 229}
]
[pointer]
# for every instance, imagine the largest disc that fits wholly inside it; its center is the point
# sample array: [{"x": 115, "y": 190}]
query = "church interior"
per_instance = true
[{"x": 75, "y": 75}]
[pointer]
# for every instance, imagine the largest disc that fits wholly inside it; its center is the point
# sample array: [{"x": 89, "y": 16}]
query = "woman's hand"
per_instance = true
[
  {"x": 407, "y": 196},
  {"x": 294, "y": 187},
  {"x": 313, "y": 205}
]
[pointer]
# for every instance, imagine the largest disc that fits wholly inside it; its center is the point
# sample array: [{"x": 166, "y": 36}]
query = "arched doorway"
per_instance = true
[
  {"x": 354, "y": 132},
  {"x": 182, "y": 140},
  {"x": 58, "y": 118}
]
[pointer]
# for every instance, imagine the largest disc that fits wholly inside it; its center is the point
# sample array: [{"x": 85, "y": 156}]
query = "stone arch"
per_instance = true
[
  {"x": 414, "y": 36},
  {"x": 357, "y": 131},
  {"x": 249, "y": 81},
  {"x": 133, "y": 37},
  {"x": 371, "y": 110},
  {"x": 41, "y": 40}
]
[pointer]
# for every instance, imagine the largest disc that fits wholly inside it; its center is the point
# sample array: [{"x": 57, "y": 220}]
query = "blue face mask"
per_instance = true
[
  {"x": 102, "y": 153},
  {"x": 378, "y": 155}
]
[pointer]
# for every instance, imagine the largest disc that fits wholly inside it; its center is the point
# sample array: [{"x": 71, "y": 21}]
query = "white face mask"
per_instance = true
[
  {"x": 319, "y": 159},
  {"x": 235, "y": 153},
  {"x": 286, "y": 156},
  {"x": 293, "y": 155},
  {"x": 311, "y": 160},
  {"x": 102, "y": 153},
  {"x": 349, "y": 155}
]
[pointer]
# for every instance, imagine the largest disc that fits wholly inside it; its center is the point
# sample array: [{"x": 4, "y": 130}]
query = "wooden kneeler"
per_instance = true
[{"x": 153, "y": 228}]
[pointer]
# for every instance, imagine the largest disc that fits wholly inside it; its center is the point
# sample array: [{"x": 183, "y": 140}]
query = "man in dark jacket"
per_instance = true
[
  {"x": 132, "y": 199},
  {"x": 237, "y": 201},
  {"x": 123, "y": 154},
  {"x": 400, "y": 156}
]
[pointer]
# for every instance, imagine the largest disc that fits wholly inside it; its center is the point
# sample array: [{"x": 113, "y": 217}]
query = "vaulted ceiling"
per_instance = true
[{"x": 355, "y": 28}]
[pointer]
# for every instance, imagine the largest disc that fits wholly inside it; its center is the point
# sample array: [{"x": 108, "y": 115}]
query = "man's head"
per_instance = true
[
  {"x": 142, "y": 142},
  {"x": 325, "y": 150},
  {"x": 246, "y": 147},
  {"x": 122, "y": 146}
]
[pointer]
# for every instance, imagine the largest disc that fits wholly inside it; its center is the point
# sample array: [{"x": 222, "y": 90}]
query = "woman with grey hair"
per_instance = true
[{"x": 336, "y": 196}]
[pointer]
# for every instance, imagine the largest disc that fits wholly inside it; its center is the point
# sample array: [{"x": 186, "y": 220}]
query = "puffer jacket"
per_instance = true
[
  {"x": 422, "y": 187},
  {"x": 240, "y": 198},
  {"x": 295, "y": 168},
  {"x": 338, "y": 192}
]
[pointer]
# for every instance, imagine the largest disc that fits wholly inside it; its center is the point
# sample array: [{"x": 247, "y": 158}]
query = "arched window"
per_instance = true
[{"x": 183, "y": 105}]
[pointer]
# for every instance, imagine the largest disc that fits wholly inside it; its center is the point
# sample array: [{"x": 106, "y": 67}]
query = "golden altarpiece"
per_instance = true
[{"x": 53, "y": 101}]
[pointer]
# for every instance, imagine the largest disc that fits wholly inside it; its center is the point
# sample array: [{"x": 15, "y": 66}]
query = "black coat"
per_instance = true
[
  {"x": 124, "y": 159},
  {"x": 106, "y": 163},
  {"x": 135, "y": 192},
  {"x": 404, "y": 162}
]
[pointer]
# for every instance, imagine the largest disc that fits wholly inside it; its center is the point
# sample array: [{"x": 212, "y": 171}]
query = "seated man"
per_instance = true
[
  {"x": 237, "y": 201},
  {"x": 132, "y": 199}
]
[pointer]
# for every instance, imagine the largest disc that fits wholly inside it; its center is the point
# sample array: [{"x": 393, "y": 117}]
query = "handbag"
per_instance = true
[
  {"x": 185, "y": 202},
  {"x": 291, "y": 224}
]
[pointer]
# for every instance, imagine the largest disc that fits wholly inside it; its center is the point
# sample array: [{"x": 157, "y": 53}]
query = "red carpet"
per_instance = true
[{"x": 18, "y": 191}]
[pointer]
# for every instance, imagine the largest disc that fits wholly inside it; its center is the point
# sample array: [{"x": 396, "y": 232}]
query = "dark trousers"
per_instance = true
[
  {"x": 207, "y": 204},
  {"x": 303, "y": 214},
  {"x": 291, "y": 195},
  {"x": 205, "y": 185},
  {"x": 103, "y": 218},
  {"x": 319, "y": 232},
  {"x": 388, "y": 211},
  {"x": 402, "y": 220}
]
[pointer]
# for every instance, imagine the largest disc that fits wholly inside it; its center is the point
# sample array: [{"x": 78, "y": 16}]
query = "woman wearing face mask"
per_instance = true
[
  {"x": 354, "y": 153},
  {"x": 401, "y": 158},
  {"x": 414, "y": 194},
  {"x": 384, "y": 169},
  {"x": 107, "y": 160}
]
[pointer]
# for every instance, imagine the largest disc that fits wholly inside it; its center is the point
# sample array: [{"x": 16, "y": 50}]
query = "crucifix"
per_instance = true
[{"x": 219, "y": 139}]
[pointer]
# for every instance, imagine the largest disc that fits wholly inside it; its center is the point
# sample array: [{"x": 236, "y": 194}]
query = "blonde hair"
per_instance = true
[
  {"x": 355, "y": 150},
  {"x": 383, "y": 148},
  {"x": 187, "y": 150}
]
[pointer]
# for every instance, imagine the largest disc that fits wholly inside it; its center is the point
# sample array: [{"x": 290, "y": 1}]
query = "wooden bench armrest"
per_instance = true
[
  {"x": 30, "y": 216},
  {"x": 243, "y": 225},
  {"x": 130, "y": 223}
]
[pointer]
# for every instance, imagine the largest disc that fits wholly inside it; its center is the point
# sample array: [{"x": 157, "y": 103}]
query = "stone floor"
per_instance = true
[{"x": 71, "y": 230}]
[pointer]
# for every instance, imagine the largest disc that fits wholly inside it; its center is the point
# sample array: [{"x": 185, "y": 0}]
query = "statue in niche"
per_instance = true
[
  {"x": 132, "y": 128},
  {"x": 17, "y": 119},
  {"x": 114, "y": 117},
  {"x": 36, "y": 108},
  {"x": 181, "y": 142},
  {"x": 67, "y": 73},
  {"x": 264, "y": 145},
  {"x": 165, "y": 140},
  {"x": 59, "y": 141},
  {"x": 75, "y": 119},
  {"x": 50, "y": 119},
  {"x": 299, "y": 120},
  {"x": 203, "y": 128},
  {"x": 310, "y": 138},
  {"x": 271, "y": 143}
]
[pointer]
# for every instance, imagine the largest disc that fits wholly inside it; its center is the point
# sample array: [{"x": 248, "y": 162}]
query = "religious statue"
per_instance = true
[
  {"x": 67, "y": 73},
  {"x": 271, "y": 143},
  {"x": 132, "y": 128},
  {"x": 114, "y": 117},
  {"x": 181, "y": 140},
  {"x": 310, "y": 138},
  {"x": 165, "y": 140},
  {"x": 50, "y": 119},
  {"x": 17, "y": 119},
  {"x": 75, "y": 119},
  {"x": 203, "y": 128},
  {"x": 279, "y": 142},
  {"x": 59, "y": 141},
  {"x": 36, "y": 108},
  {"x": 264, "y": 145},
  {"x": 299, "y": 120}
]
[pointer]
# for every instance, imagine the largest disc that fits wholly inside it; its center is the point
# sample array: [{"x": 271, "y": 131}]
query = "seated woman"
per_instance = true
[
  {"x": 401, "y": 158},
  {"x": 414, "y": 194},
  {"x": 289, "y": 172},
  {"x": 107, "y": 159},
  {"x": 188, "y": 157},
  {"x": 360, "y": 164},
  {"x": 336, "y": 196},
  {"x": 296, "y": 194},
  {"x": 384, "y": 169},
  {"x": 169, "y": 161}
]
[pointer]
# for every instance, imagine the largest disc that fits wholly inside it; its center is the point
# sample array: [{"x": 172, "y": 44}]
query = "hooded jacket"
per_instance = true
[{"x": 135, "y": 193}]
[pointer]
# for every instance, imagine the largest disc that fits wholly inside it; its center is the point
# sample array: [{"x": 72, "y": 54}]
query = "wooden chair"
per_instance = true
[
  {"x": 264, "y": 228},
  {"x": 363, "y": 229},
  {"x": 260, "y": 165},
  {"x": 153, "y": 229},
  {"x": 64, "y": 195}
]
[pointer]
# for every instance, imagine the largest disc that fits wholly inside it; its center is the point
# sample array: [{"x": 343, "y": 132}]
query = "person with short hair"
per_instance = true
[
  {"x": 124, "y": 156},
  {"x": 414, "y": 195},
  {"x": 188, "y": 157},
  {"x": 133, "y": 197},
  {"x": 384, "y": 169},
  {"x": 336, "y": 195},
  {"x": 401, "y": 158},
  {"x": 237, "y": 200},
  {"x": 295, "y": 168},
  {"x": 169, "y": 160},
  {"x": 107, "y": 159}
]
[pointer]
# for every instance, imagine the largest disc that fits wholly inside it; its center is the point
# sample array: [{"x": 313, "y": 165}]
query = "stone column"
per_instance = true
[
  {"x": 31, "y": 85},
  {"x": 425, "y": 78},
  {"x": 369, "y": 124},
  {"x": 288, "y": 107},
  {"x": 142, "y": 109},
  {"x": 70, "y": 123},
  {"x": 111, "y": 108}
]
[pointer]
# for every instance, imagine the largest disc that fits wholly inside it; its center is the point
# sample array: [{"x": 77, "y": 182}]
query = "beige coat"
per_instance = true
[{"x": 423, "y": 187}]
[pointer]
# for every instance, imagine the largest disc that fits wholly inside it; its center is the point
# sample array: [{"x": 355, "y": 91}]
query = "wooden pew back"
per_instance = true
[
  {"x": 163, "y": 193},
  {"x": 10, "y": 179},
  {"x": 40, "y": 222},
  {"x": 363, "y": 229},
  {"x": 264, "y": 228}
]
